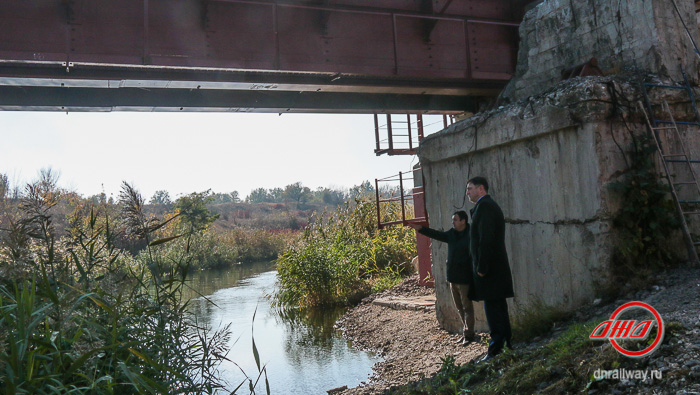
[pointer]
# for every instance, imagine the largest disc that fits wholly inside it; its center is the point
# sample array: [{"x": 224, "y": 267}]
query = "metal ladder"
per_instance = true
[{"x": 658, "y": 129}]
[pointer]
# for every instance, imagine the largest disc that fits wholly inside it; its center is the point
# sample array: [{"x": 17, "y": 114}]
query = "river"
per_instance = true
[{"x": 303, "y": 354}]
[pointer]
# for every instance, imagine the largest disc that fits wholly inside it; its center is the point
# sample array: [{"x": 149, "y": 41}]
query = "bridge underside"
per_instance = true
[{"x": 256, "y": 55}]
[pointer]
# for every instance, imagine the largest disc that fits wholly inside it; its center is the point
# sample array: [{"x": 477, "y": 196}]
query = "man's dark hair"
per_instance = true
[
  {"x": 462, "y": 215},
  {"x": 476, "y": 181}
]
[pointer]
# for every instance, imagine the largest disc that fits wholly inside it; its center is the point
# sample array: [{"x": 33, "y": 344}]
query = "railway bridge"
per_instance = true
[{"x": 340, "y": 56}]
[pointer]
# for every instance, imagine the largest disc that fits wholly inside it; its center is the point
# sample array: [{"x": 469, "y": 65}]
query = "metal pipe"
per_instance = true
[
  {"x": 379, "y": 213},
  {"x": 376, "y": 130},
  {"x": 403, "y": 203},
  {"x": 420, "y": 127},
  {"x": 388, "y": 126},
  {"x": 410, "y": 142},
  {"x": 690, "y": 36}
]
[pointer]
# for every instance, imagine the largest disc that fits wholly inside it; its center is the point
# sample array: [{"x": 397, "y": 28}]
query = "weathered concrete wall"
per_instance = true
[
  {"x": 549, "y": 162},
  {"x": 643, "y": 35}
]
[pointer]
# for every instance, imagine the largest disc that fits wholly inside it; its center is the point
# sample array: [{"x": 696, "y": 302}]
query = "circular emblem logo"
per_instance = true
[{"x": 659, "y": 334}]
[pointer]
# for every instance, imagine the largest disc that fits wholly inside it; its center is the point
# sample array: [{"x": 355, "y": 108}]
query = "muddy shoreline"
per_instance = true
[{"x": 410, "y": 341}]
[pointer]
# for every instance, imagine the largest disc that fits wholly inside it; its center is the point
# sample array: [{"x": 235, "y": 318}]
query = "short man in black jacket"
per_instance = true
[
  {"x": 493, "y": 282},
  {"x": 459, "y": 268}
]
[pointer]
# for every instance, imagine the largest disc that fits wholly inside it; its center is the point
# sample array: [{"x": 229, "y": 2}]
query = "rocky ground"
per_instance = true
[
  {"x": 411, "y": 342},
  {"x": 413, "y": 345}
]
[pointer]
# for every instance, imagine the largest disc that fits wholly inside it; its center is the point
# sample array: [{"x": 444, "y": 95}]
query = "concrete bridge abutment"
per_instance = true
[{"x": 552, "y": 152}]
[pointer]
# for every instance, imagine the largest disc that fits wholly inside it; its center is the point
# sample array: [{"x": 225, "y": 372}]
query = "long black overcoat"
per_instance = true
[{"x": 488, "y": 252}]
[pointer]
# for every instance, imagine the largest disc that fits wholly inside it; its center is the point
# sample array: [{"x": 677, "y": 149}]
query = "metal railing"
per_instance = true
[
  {"x": 417, "y": 194},
  {"x": 404, "y": 132}
]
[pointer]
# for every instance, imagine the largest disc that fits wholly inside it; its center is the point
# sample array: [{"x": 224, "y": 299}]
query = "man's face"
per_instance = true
[
  {"x": 474, "y": 192},
  {"x": 458, "y": 224}
]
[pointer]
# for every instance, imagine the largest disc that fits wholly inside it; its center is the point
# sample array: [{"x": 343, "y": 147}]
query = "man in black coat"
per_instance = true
[
  {"x": 459, "y": 272},
  {"x": 493, "y": 282}
]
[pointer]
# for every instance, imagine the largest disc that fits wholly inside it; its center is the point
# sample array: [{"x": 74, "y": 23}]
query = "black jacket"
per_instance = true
[
  {"x": 458, "y": 260},
  {"x": 488, "y": 252}
]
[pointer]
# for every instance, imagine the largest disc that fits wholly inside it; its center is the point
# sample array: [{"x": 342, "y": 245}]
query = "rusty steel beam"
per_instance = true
[{"x": 341, "y": 48}]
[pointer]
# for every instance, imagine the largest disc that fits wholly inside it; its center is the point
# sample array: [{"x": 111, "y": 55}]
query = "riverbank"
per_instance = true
[
  {"x": 410, "y": 341},
  {"x": 563, "y": 360}
]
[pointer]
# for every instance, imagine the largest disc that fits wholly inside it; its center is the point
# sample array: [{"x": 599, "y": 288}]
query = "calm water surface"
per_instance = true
[{"x": 304, "y": 354}]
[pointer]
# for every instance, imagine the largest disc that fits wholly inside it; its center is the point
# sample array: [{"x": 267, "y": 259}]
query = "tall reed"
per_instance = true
[{"x": 79, "y": 315}]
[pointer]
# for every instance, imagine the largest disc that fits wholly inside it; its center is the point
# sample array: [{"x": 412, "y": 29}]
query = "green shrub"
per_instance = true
[{"x": 342, "y": 255}]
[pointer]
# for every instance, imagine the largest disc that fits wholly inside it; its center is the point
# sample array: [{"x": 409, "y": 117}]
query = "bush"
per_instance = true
[{"x": 342, "y": 255}]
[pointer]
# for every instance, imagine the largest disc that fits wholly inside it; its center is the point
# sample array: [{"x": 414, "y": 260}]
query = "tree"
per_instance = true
[
  {"x": 98, "y": 199},
  {"x": 364, "y": 189},
  {"x": 234, "y": 197},
  {"x": 193, "y": 211},
  {"x": 297, "y": 192},
  {"x": 47, "y": 183},
  {"x": 161, "y": 197},
  {"x": 332, "y": 196},
  {"x": 221, "y": 198},
  {"x": 277, "y": 195},
  {"x": 258, "y": 195}
]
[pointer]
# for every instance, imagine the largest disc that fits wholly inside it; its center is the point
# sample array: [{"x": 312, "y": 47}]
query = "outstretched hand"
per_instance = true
[{"x": 415, "y": 226}]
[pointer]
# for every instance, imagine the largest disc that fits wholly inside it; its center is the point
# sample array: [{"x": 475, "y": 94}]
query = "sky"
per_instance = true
[{"x": 192, "y": 152}]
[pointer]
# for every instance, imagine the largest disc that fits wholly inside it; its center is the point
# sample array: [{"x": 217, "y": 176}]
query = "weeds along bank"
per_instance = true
[
  {"x": 78, "y": 314},
  {"x": 342, "y": 257}
]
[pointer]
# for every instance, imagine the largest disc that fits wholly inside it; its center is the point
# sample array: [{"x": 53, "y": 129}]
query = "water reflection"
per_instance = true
[
  {"x": 302, "y": 351},
  {"x": 209, "y": 281},
  {"x": 310, "y": 335}
]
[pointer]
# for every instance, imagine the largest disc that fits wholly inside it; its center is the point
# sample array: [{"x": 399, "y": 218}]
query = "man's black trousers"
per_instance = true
[{"x": 499, "y": 323}]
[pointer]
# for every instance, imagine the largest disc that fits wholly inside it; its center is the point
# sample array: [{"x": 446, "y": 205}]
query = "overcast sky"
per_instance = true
[{"x": 192, "y": 152}]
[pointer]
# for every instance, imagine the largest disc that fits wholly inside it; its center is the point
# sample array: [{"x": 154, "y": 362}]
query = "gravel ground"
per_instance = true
[{"x": 413, "y": 344}]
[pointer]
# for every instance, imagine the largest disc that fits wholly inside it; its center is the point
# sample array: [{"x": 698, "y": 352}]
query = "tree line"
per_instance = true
[{"x": 295, "y": 192}]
